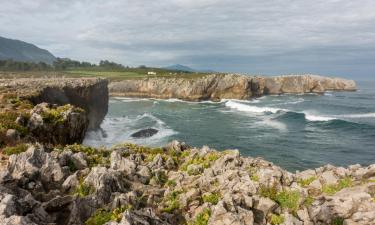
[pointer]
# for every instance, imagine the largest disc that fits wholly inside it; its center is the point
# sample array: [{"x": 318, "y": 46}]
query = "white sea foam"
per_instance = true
[
  {"x": 317, "y": 118},
  {"x": 270, "y": 122},
  {"x": 364, "y": 115},
  {"x": 250, "y": 108}
]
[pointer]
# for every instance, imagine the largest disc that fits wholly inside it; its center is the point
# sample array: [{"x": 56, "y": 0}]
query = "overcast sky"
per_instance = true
[{"x": 329, "y": 37}]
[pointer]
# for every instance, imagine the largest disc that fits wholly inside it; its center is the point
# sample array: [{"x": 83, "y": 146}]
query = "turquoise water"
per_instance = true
[{"x": 293, "y": 131}]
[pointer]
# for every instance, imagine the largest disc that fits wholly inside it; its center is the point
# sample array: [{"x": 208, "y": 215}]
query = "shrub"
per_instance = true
[
  {"x": 83, "y": 189},
  {"x": 205, "y": 161},
  {"x": 15, "y": 150},
  {"x": 203, "y": 217},
  {"x": 331, "y": 189},
  {"x": 171, "y": 183},
  {"x": 172, "y": 202},
  {"x": 8, "y": 121},
  {"x": 268, "y": 192},
  {"x": 100, "y": 217},
  {"x": 277, "y": 219},
  {"x": 212, "y": 198},
  {"x": 306, "y": 182},
  {"x": 309, "y": 201},
  {"x": 337, "y": 221},
  {"x": 288, "y": 200}
]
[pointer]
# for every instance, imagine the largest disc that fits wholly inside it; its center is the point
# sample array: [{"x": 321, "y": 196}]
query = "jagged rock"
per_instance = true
[
  {"x": 58, "y": 203},
  {"x": 145, "y": 133},
  {"x": 13, "y": 134},
  {"x": 176, "y": 146},
  {"x": 80, "y": 160},
  {"x": 144, "y": 216},
  {"x": 221, "y": 216},
  {"x": 58, "y": 125},
  {"x": 122, "y": 164},
  {"x": 194, "y": 169}
]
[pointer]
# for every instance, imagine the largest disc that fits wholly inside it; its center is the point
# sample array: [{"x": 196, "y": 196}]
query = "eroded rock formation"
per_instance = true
[
  {"x": 229, "y": 86},
  {"x": 135, "y": 185}
]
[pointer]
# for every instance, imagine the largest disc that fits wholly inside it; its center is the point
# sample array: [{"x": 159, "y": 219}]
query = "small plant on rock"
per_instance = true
[
  {"x": 172, "y": 202},
  {"x": 306, "y": 182},
  {"x": 337, "y": 221},
  {"x": 289, "y": 200},
  {"x": 212, "y": 198},
  {"x": 331, "y": 189},
  {"x": 277, "y": 219},
  {"x": 15, "y": 150},
  {"x": 202, "y": 218},
  {"x": 100, "y": 217},
  {"x": 83, "y": 189}
]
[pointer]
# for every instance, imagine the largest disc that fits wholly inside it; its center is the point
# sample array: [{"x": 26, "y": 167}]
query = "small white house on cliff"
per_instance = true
[{"x": 151, "y": 73}]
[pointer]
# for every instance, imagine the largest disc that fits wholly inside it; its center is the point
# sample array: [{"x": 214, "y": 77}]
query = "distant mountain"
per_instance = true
[
  {"x": 179, "y": 67},
  {"x": 22, "y": 51}
]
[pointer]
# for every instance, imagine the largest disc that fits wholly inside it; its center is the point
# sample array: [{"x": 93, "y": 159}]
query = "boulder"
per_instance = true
[{"x": 145, "y": 133}]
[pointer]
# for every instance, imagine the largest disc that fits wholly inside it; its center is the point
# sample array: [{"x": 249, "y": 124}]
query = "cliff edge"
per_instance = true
[{"x": 227, "y": 86}]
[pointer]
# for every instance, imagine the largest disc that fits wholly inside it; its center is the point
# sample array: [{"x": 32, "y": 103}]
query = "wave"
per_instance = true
[
  {"x": 317, "y": 118},
  {"x": 363, "y": 115},
  {"x": 250, "y": 108}
]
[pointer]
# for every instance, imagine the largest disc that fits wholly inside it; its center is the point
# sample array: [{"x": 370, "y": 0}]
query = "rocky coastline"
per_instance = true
[
  {"x": 45, "y": 178},
  {"x": 177, "y": 184},
  {"x": 227, "y": 86}
]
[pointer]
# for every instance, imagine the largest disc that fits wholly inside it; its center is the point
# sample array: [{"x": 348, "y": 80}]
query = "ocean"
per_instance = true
[{"x": 296, "y": 132}]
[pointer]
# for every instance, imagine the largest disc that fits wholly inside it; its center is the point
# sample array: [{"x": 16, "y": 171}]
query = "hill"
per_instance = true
[{"x": 23, "y": 51}]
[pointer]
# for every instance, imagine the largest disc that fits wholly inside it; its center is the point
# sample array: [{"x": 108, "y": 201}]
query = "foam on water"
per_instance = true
[{"x": 250, "y": 108}]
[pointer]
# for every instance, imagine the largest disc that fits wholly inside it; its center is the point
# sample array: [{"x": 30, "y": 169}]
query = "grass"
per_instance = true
[
  {"x": 212, "y": 198},
  {"x": 15, "y": 150},
  {"x": 306, "y": 182},
  {"x": 172, "y": 202},
  {"x": 331, "y": 189},
  {"x": 308, "y": 201},
  {"x": 202, "y": 218},
  {"x": 8, "y": 121},
  {"x": 277, "y": 219},
  {"x": 337, "y": 221},
  {"x": 83, "y": 190},
  {"x": 289, "y": 200},
  {"x": 205, "y": 161},
  {"x": 100, "y": 217},
  {"x": 171, "y": 183},
  {"x": 94, "y": 156}
]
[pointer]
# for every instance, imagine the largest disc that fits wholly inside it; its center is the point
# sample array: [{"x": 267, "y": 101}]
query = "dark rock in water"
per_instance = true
[{"x": 145, "y": 133}]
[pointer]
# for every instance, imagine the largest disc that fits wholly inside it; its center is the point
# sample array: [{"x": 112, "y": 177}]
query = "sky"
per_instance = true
[{"x": 268, "y": 37}]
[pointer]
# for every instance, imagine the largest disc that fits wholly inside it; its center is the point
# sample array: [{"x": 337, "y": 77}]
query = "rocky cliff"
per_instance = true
[
  {"x": 50, "y": 111},
  {"x": 229, "y": 86},
  {"x": 177, "y": 184}
]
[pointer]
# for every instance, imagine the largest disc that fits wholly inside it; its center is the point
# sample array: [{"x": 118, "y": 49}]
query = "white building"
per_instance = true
[{"x": 151, "y": 73}]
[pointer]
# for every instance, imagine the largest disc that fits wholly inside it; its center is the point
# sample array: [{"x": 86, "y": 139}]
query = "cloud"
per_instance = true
[{"x": 256, "y": 36}]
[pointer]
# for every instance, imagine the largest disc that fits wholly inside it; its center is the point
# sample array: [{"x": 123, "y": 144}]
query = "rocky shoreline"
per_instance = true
[
  {"x": 177, "y": 184},
  {"x": 46, "y": 179},
  {"x": 227, "y": 86}
]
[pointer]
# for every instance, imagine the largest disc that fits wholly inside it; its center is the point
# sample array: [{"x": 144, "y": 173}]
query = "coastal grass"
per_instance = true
[
  {"x": 15, "y": 149},
  {"x": 202, "y": 218},
  {"x": 331, "y": 189},
  {"x": 172, "y": 202},
  {"x": 277, "y": 219},
  {"x": 82, "y": 190},
  {"x": 212, "y": 198},
  {"x": 306, "y": 182},
  {"x": 287, "y": 199}
]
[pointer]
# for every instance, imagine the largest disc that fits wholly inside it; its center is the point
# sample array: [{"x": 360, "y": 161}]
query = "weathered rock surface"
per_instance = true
[
  {"x": 229, "y": 86},
  {"x": 149, "y": 132},
  {"x": 90, "y": 94},
  {"x": 131, "y": 184}
]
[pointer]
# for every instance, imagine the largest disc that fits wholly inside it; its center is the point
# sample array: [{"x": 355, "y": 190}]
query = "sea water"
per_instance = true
[{"x": 293, "y": 131}]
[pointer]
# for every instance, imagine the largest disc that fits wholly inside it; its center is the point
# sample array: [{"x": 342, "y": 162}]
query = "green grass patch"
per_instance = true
[
  {"x": 100, "y": 217},
  {"x": 212, "y": 198},
  {"x": 202, "y": 218},
  {"x": 172, "y": 202},
  {"x": 83, "y": 190},
  {"x": 277, "y": 219},
  {"x": 331, "y": 189},
  {"x": 8, "y": 121},
  {"x": 205, "y": 161},
  {"x": 95, "y": 156},
  {"x": 289, "y": 200},
  {"x": 15, "y": 150},
  {"x": 337, "y": 221},
  {"x": 306, "y": 182}
]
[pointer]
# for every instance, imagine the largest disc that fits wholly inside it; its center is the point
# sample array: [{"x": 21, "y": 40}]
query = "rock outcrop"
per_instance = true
[
  {"x": 228, "y": 86},
  {"x": 90, "y": 94},
  {"x": 134, "y": 185}
]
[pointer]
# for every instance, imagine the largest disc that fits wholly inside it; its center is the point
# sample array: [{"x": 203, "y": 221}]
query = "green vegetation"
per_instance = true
[
  {"x": 100, "y": 217},
  {"x": 331, "y": 189},
  {"x": 277, "y": 219},
  {"x": 94, "y": 156},
  {"x": 15, "y": 150},
  {"x": 172, "y": 202},
  {"x": 289, "y": 200},
  {"x": 212, "y": 198},
  {"x": 160, "y": 177},
  {"x": 171, "y": 183},
  {"x": 8, "y": 121},
  {"x": 306, "y": 182},
  {"x": 205, "y": 161},
  {"x": 202, "y": 218},
  {"x": 337, "y": 221},
  {"x": 55, "y": 115},
  {"x": 308, "y": 201},
  {"x": 83, "y": 189},
  {"x": 268, "y": 191}
]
